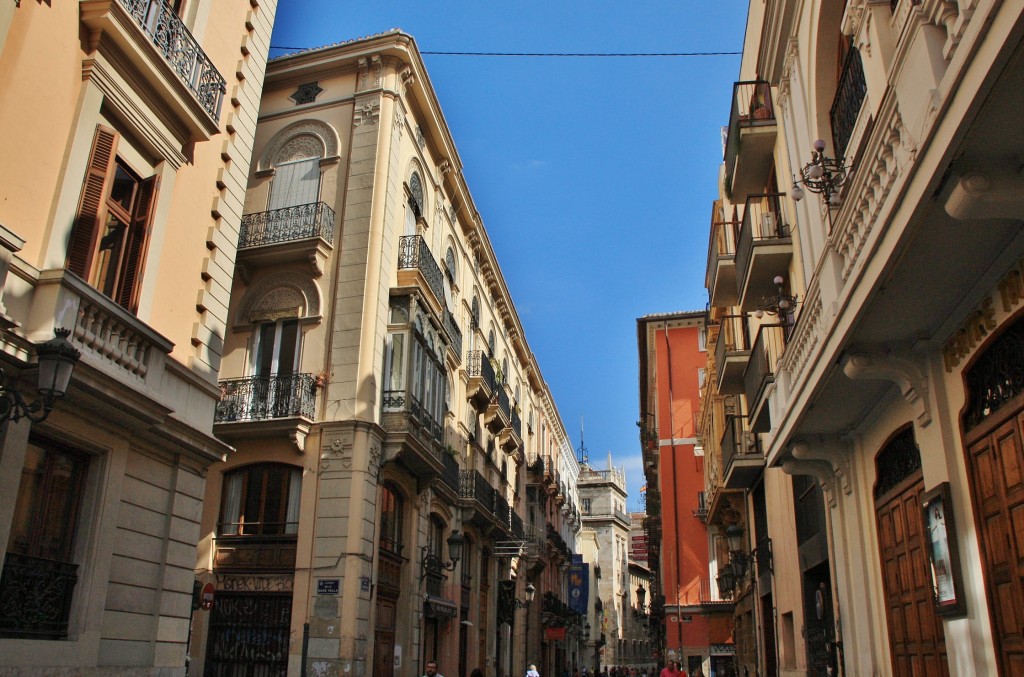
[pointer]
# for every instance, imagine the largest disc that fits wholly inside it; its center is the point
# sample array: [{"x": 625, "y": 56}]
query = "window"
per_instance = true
[
  {"x": 276, "y": 349},
  {"x": 39, "y": 575},
  {"x": 414, "y": 208},
  {"x": 586, "y": 506},
  {"x": 110, "y": 236},
  {"x": 261, "y": 500},
  {"x": 392, "y": 506},
  {"x": 295, "y": 183}
]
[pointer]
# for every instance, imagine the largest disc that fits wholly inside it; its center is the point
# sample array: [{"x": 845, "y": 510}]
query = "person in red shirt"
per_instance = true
[{"x": 671, "y": 670}]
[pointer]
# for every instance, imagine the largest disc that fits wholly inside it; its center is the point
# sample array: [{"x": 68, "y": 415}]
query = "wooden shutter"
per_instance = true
[
  {"x": 135, "y": 248},
  {"x": 90, "y": 206}
]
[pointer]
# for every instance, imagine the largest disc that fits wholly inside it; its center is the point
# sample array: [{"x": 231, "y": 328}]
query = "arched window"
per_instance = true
[
  {"x": 296, "y": 172},
  {"x": 476, "y": 313},
  {"x": 261, "y": 500},
  {"x": 392, "y": 508},
  {"x": 490, "y": 343}
]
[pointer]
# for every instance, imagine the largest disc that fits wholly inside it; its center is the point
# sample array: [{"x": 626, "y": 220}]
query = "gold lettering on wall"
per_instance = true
[{"x": 981, "y": 321}]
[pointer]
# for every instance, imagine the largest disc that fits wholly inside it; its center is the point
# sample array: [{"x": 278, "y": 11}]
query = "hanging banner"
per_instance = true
[
  {"x": 554, "y": 633},
  {"x": 579, "y": 589}
]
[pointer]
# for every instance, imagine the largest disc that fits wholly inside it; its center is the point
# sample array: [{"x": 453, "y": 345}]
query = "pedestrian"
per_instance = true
[
  {"x": 670, "y": 670},
  {"x": 432, "y": 670},
  {"x": 477, "y": 672},
  {"x": 532, "y": 672}
]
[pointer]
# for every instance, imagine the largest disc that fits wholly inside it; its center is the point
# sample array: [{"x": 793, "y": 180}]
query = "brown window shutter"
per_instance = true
[
  {"x": 90, "y": 206},
  {"x": 135, "y": 248}
]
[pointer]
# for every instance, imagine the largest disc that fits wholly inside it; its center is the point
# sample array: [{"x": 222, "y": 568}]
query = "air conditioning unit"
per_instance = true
[{"x": 749, "y": 442}]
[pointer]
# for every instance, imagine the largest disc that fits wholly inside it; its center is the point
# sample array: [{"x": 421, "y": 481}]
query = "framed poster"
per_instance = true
[{"x": 943, "y": 556}]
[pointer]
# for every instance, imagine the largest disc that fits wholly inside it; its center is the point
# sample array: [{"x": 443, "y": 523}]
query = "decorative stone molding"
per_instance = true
[
  {"x": 290, "y": 292},
  {"x": 370, "y": 71},
  {"x": 889, "y": 154},
  {"x": 912, "y": 382},
  {"x": 792, "y": 52},
  {"x": 818, "y": 470},
  {"x": 306, "y": 93},
  {"x": 407, "y": 79},
  {"x": 990, "y": 193},
  {"x": 810, "y": 331},
  {"x": 831, "y": 453},
  {"x": 313, "y": 137},
  {"x": 367, "y": 111}
]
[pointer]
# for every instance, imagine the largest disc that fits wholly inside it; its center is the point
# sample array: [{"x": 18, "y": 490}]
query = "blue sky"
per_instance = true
[{"x": 594, "y": 176}]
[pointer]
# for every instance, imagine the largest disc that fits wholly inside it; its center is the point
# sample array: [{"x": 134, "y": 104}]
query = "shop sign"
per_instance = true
[{"x": 723, "y": 649}]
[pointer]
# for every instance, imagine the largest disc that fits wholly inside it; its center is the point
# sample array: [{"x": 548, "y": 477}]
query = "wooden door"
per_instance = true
[
  {"x": 384, "y": 638},
  {"x": 997, "y": 489},
  {"x": 916, "y": 638}
]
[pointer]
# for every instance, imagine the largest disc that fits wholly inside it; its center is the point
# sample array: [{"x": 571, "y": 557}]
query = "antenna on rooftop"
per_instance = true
[{"x": 581, "y": 452}]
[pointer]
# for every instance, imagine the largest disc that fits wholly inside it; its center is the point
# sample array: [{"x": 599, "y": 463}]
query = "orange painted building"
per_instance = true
[{"x": 694, "y": 621}]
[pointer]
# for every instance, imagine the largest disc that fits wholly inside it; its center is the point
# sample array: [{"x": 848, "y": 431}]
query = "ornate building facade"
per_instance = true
[
  {"x": 400, "y": 487},
  {"x": 127, "y": 129},
  {"x": 865, "y": 276}
]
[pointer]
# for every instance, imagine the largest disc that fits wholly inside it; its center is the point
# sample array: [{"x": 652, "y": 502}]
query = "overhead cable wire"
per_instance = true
[{"x": 557, "y": 54}]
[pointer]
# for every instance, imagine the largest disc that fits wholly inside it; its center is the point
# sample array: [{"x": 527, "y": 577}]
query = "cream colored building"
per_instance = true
[
  {"x": 127, "y": 132},
  {"x": 889, "y": 389},
  {"x": 380, "y": 393}
]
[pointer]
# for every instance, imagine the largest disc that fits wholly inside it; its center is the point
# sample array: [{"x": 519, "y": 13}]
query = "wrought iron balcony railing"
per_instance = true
[
  {"x": 258, "y": 398},
  {"x": 36, "y": 597},
  {"x": 454, "y": 332},
  {"x": 450, "y": 474},
  {"x": 479, "y": 366},
  {"x": 850, "y": 93},
  {"x": 287, "y": 225},
  {"x": 764, "y": 357},
  {"x": 473, "y": 486},
  {"x": 181, "y": 50},
  {"x": 414, "y": 253}
]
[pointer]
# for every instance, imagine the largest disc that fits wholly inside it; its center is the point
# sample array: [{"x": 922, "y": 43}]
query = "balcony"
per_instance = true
[
  {"x": 764, "y": 249},
  {"x": 742, "y": 460},
  {"x": 287, "y": 235},
  {"x": 499, "y": 412},
  {"x": 750, "y": 145},
  {"x": 257, "y": 398},
  {"x": 764, "y": 357},
  {"x": 249, "y": 554},
  {"x": 503, "y": 513},
  {"x": 450, "y": 472},
  {"x": 732, "y": 352},
  {"x": 846, "y": 105},
  {"x": 454, "y": 334},
  {"x": 414, "y": 437},
  {"x": 720, "y": 278},
  {"x": 267, "y": 406},
  {"x": 478, "y": 496},
  {"x": 418, "y": 268},
  {"x": 482, "y": 382},
  {"x": 149, "y": 35}
]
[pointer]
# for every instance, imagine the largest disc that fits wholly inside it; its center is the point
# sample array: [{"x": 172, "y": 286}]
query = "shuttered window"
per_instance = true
[
  {"x": 295, "y": 183},
  {"x": 111, "y": 232}
]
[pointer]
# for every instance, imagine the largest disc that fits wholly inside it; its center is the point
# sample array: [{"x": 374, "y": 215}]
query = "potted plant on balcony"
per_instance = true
[{"x": 321, "y": 380}]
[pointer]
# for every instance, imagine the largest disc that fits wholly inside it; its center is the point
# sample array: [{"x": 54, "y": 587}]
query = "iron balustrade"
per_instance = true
[
  {"x": 751, "y": 106},
  {"x": 736, "y": 442},
  {"x": 850, "y": 93},
  {"x": 454, "y": 332},
  {"x": 450, "y": 471},
  {"x": 762, "y": 222},
  {"x": 502, "y": 511},
  {"x": 764, "y": 356},
  {"x": 258, "y": 398},
  {"x": 473, "y": 486},
  {"x": 287, "y": 224},
  {"x": 721, "y": 246},
  {"x": 479, "y": 366},
  {"x": 504, "y": 403},
  {"x": 517, "y": 423},
  {"x": 413, "y": 253},
  {"x": 517, "y": 526},
  {"x": 424, "y": 418},
  {"x": 35, "y": 597},
  {"x": 733, "y": 337},
  {"x": 181, "y": 51}
]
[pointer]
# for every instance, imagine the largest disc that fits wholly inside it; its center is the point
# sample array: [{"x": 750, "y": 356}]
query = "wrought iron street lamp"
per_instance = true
[
  {"x": 822, "y": 175},
  {"x": 780, "y": 304},
  {"x": 431, "y": 563},
  {"x": 57, "y": 358}
]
